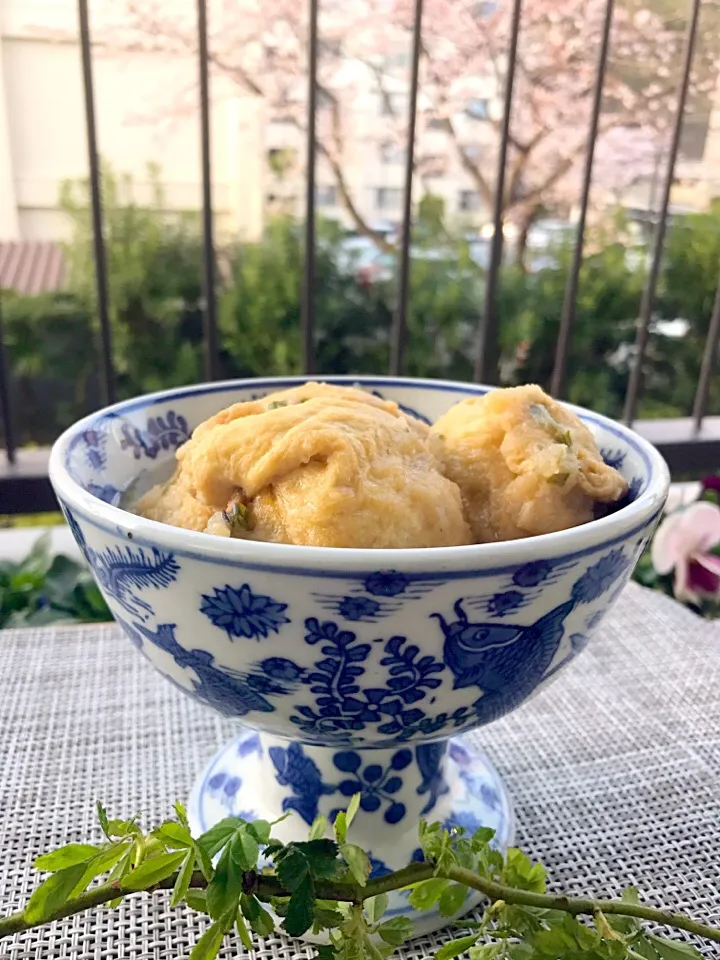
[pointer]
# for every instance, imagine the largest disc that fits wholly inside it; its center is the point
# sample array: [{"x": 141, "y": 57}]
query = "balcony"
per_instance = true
[{"x": 616, "y": 311}]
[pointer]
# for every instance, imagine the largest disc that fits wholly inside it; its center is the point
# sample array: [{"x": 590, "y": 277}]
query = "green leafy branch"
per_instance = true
[
  {"x": 45, "y": 589},
  {"x": 321, "y": 885}
]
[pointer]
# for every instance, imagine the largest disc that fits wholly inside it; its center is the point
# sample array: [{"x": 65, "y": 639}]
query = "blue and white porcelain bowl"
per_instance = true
[{"x": 349, "y": 671}]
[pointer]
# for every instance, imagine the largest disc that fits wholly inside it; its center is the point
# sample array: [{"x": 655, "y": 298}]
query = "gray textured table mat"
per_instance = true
[{"x": 614, "y": 771}]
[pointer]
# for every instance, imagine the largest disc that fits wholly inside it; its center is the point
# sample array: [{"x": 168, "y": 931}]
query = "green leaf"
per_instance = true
[
  {"x": 181, "y": 814},
  {"x": 209, "y": 944},
  {"x": 326, "y": 919},
  {"x": 452, "y": 899},
  {"x": 340, "y": 826},
  {"x": 631, "y": 895},
  {"x": 318, "y": 828},
  {"x": 117, "y": 829},
  {"x": 427, "y": 893},
  {"x": 260, "y": 829},
  {"x": 293, "y": 868},
  {"x": 204, "y": 862},
  {"x": 67, "y": 856},
  {"x": 627, "y": 926},
  {"x": 196, "y": 900},
  {"x": 456, "y": 947},
  {"x": 53, "y": 893},
  {"x": 216, "y": 837},
  {"x": 301, "y": 909},
  {"x": 645, "y": 949},
  {"x": 182, "y": 884},
  {"x": 224, "y": 889},
  {"x": 482, "y": 836},
  {"x": 466, "y": 855},
  {"x": 257, "y": 916},
  {"x": 38, "y": 560},
  {"x": 396, "y": 931},
  {"x": 244, "y": 849},
  {"x": 674, "y": 949},
  {"x": 488, "y": 951},
  {"x": 322, "y": 856},
  {"x": 324, "y": 952},
  {"x": 516, "y": 951},
  {"x": 61, "y": 580},
  {"x": 103, "y": 862},
  {"x": 376, "y": 906},
  {"x": 174, "y": 835},
  {"x": 103, "y": 818},
  {"x": 123, "y": 866},
  {"x": 352, "y": 809},
  {"x": 357, "y": 860},
  {"x": 242, "y": 931},
  {"x": 153, "y": 871},
  {"x": 554, "y": 941},
  {"x": 522, "y": 873}
]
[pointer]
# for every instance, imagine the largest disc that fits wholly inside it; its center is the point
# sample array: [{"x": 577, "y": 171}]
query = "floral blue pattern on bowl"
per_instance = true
[{"x": 351, "y": 670}]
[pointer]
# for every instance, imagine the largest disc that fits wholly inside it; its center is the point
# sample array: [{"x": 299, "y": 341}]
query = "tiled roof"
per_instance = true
[{"x": 31, "y": 266}]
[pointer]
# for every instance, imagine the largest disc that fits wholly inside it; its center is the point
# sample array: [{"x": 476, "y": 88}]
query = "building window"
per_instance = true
[
  {"x": 324, "y": 100},
  {"x": 477, "y": 107},
  {"x": 326, "y": 195},
  {"x": 388, "y": 198},
  {"x": 400, "y": 59},
  {"x": 484, "y": 8},
  {"x": 437, "y": 123},
  {"x": 473, "y": 151},
  {"x": 433, "y": 166},
  {"x": 391, "y": 153},
  {"x": 469, "y": 201}
]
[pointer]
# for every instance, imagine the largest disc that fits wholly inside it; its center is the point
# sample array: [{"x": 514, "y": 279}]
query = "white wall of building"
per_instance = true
[
  {"x": 43, "y": 131},
  {"x": 147, "y": 113}
]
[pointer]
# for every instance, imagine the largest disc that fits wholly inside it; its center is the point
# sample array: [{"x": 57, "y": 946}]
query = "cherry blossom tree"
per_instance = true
[
  {"x": 465, "y": 46},
  {"x": 261, "y": 47},
  {"x": 626, "y": 156}
]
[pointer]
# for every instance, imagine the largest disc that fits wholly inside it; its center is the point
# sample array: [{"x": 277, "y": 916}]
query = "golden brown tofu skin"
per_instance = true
[
  {"x": 525, "y": 464},
  {"x": 317, "y": 465}
]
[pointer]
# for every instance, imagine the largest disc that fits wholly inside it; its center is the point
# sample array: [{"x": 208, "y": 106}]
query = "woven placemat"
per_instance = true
[{"x": 614, "y": 770}]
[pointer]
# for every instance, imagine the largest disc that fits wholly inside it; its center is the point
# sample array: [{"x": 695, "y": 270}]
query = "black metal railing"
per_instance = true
[{"x": 690, "y": 444}]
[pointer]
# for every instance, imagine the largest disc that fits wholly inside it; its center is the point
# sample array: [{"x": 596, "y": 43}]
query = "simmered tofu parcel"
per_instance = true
[
  {"x": 317, "y": 465},
  {"x": 325, "y": 465},
  {"x": 524, "y": 464}
]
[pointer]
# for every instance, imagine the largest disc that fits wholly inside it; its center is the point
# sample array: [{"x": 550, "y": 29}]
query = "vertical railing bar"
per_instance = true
[
  {"x": 6, "y": 413},
  {"x": 210, "y": 331},
  {"x": 643, "y": 330},
  {"x": 557, "y": 383},
  {"x": 101, "y": 279},
  {"x": 399, "y": 328},
  {"x": 488, "y": 337},
  {"x": 307, "y": 305},
  {"x": 708, "y": 363}
]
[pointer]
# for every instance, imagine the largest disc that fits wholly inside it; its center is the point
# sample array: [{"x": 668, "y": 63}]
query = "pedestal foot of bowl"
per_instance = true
[{"x": 258, "y": 776}]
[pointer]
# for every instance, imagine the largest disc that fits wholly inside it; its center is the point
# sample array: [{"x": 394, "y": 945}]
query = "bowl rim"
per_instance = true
[{"x": 333, "y": 561}]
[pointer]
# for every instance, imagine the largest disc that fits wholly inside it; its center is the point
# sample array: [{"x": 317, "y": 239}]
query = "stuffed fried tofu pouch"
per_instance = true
[
  {"x": 316, "y": 465},
  {"x": 525, "y": 464}
]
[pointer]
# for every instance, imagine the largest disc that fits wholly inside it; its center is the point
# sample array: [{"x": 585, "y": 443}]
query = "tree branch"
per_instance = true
[
  {"x": 361, "y": 223},
  {"x": 472, "y": 168},
  {"x": 579, "y": 906},
  {"x": 267, "y": 887}
]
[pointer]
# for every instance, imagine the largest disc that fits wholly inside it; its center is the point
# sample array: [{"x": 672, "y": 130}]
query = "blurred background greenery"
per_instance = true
[{"x": 155, "y": 279}]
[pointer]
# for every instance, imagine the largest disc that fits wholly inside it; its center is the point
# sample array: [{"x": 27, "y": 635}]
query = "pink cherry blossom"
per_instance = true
[
  {"x": 683, "y": 543},
  {"x": 260, "y": 48}
]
